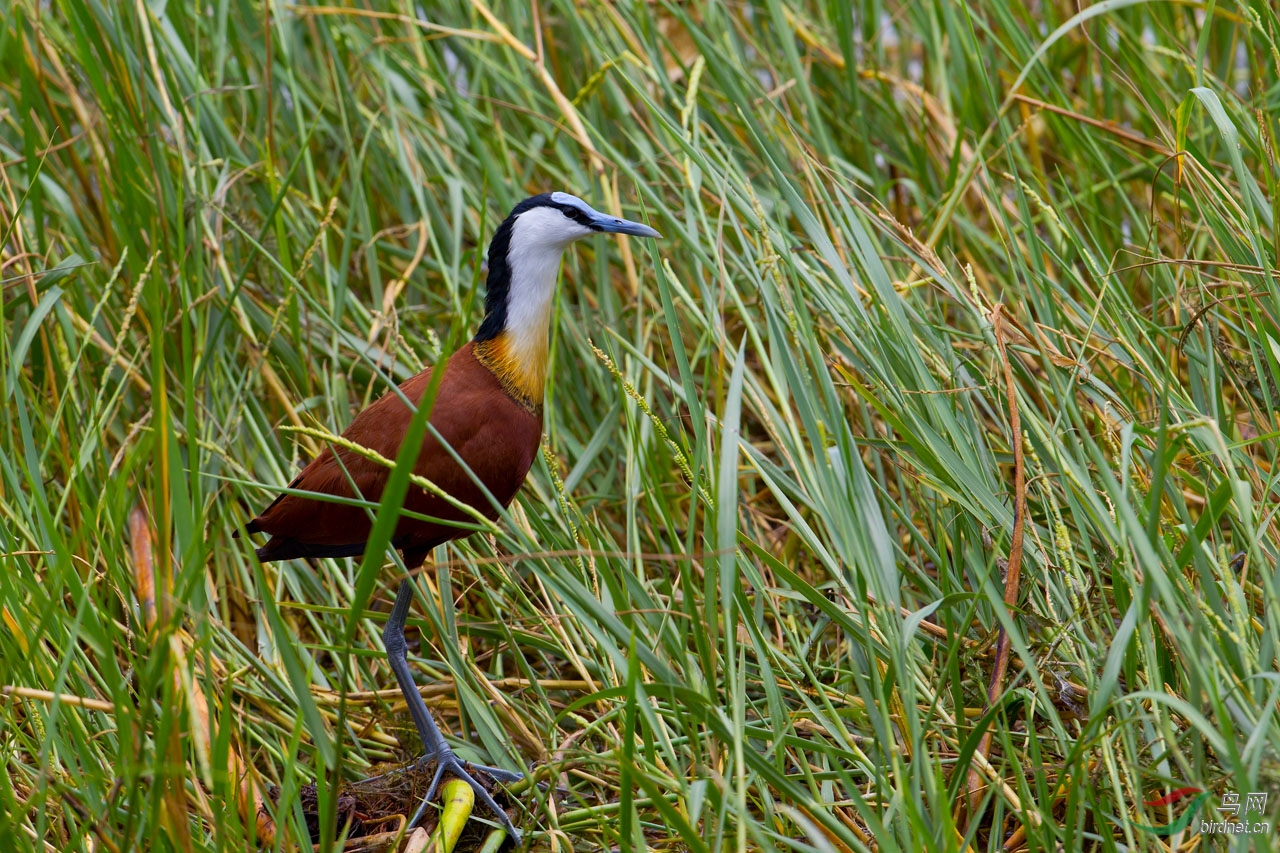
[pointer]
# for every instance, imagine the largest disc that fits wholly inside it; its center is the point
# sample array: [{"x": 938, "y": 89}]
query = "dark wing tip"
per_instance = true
[
  {"x": 279, "y": 548},
  {"x": 251, "y": 527}
]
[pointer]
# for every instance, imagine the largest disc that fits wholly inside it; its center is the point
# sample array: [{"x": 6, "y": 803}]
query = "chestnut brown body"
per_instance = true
[{"x": 493, "y": 433}]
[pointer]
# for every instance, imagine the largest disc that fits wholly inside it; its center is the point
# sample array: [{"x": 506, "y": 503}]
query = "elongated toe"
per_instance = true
[{"x": 448, "y": 762}]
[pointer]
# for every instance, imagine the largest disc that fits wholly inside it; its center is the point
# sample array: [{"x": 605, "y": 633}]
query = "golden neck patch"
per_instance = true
[{"x": 522, "y": 371}]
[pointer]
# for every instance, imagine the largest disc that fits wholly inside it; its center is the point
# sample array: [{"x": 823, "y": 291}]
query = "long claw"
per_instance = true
[{"x": 499, "y": 774}]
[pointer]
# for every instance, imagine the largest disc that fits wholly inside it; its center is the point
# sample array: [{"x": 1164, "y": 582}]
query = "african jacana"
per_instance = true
[{"x": 488, "y": 408}]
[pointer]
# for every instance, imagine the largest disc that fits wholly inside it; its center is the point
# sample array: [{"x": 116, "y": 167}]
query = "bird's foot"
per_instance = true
[{"x": 447, "y": 761}]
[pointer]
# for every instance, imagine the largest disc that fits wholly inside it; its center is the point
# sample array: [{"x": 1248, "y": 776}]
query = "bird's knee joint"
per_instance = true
[{"x": 393, "y": 640}]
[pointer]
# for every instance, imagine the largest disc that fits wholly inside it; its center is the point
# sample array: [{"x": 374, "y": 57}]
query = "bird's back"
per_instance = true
[{"x": 494, "y": 434}]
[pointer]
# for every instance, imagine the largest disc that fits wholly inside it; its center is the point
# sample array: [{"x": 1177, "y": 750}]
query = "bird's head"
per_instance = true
[
  {"x": 554, "y": 220},
  {"x": 524, "y": 256},
  {"x": 524, "y": 264}
]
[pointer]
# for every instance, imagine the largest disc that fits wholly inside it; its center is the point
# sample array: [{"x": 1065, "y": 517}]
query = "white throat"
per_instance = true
[{"x": 538, "y": 240}]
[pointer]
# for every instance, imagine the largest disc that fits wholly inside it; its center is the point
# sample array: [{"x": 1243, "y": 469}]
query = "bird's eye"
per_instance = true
[{"x": 581, "y": 217}]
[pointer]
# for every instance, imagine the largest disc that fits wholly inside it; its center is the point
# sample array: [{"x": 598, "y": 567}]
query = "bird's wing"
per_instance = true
[
  {"x": 494, "y": 436},
  {"x": 294, "y": 520}
]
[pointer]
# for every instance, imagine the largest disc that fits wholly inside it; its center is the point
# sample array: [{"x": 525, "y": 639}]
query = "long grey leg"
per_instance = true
[{"x": 432, "y": 740}]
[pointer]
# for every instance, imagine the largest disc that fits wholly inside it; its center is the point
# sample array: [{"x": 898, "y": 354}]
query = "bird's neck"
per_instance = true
[
  {"x": 512, "y": 341},
  {"x": 519, "y": 365}
]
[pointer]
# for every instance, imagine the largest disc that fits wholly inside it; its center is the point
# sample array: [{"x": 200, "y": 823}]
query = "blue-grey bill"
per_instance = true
[
  {"x": 604, "y": 222},
  {"x": 613, "y": 225}
]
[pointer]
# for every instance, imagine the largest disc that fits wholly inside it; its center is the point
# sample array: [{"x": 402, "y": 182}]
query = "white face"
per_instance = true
[{"x": 548, "y": 227}]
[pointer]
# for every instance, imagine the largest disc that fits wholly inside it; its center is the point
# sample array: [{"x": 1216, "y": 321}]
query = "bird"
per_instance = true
[{"x": 486, "y": 415}]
